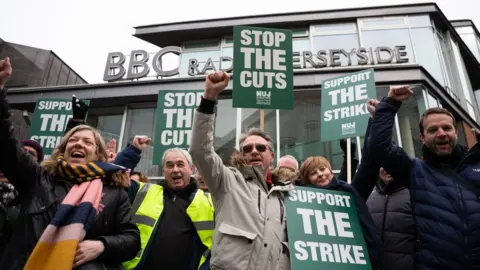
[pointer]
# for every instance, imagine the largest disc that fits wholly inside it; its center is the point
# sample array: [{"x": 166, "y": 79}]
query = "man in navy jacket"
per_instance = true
[{"x": 446, "y": 208}]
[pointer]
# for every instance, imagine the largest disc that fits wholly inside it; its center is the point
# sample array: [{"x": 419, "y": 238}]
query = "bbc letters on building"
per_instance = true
[{"x": 138, "y": 66}]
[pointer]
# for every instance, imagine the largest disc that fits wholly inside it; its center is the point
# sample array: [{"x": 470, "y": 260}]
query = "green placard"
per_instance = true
[
  {"x": 49, "y": 122},
  {"x": 324, "y": 231},
  {"x": 263, "y": 68},
  {"x": 344, "y": 105},
  {"x": 174, "y": 119}
]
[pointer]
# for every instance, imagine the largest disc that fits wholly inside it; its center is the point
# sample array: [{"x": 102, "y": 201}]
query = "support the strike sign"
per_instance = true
[
  {"x": 174, "y": 119},
  {"x": 263, "y": 68},
  {"x": 49, "y": 122},
  {"x": 344, "y": 105},
  {"x": 324, "y": 231}
]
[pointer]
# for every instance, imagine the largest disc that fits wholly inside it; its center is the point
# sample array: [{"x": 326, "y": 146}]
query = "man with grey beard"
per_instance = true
[{"x": 444, "y": 186}]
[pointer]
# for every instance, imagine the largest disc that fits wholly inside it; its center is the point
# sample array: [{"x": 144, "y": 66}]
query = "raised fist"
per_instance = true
[
  {"x": 5, "y": 71},
  {"x": 141, "y": 142},
  {"x": 111, "y": 150},
  {"x": 79, "y": 108},
  {"x": 371, "y": 106},
  {"x": 215, "y": 83},
  {"x": 400, "y": 93}
]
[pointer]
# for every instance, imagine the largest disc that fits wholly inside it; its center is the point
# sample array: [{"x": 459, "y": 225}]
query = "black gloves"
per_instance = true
[
  {"x": 79, "y": 108},
  {"x": 353, "y": 144}
]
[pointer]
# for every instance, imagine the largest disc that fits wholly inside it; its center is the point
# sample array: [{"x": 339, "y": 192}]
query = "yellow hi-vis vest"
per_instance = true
[{"x": 146, "y": 211}]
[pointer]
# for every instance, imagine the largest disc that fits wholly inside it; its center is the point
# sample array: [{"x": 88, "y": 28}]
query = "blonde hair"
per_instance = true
[
  {"x": 51, "y": 164},
  {"x": 311, "y": 164}
]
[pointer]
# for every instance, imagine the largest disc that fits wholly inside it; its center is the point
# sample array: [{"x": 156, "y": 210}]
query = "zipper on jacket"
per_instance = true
[
  {"x": 384, "y": 215},
  {"x": 259, "y": 210},
  {"x": 282, "y": 210},
  {"x": 464, "y": 215}
]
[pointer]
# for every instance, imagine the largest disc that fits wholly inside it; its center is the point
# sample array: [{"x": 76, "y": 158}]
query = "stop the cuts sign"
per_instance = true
[
  {"x": 174, "y": 119},
  {"x": 263, "y": 68}
]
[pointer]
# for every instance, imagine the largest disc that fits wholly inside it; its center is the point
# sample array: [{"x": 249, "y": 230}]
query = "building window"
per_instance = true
[
  {"x": 335, "y": 28},
  {"x": 341, "y": 36},
  {"x": 193, "y": 63},
  {"x": 300, "y": 131},
  {"x": 301, "y": 45},
  {"x": 419, "y": 20},
  {"x": 198, "y": 57},
  {"x": 408, "y": 117},
  {"x": 464, "y": 80},
  {"x": 225, "y": 129},
  {"x": 449, "y": 63},
  {"x": 432, "y": 102},
  {"x": 383, "y": 22},
  {"x": 472, "y": 43},
  {"x": 109, "y": 126},
  {"x": 389, "y": 32},
  {"x": 141, "y": 121},
  {"x": 424, "y": 44},
  {"x": 299, "y": 32}
]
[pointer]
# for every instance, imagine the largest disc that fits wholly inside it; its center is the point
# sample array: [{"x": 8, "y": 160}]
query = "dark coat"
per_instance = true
[
  {"x": 391, "y": 211},
  {"x": 41, "y": 195},
  {"x": 446, "y": 213}
]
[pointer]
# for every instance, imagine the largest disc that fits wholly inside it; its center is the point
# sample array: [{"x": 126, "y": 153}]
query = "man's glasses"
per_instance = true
[{"x": 249, "y": 148}]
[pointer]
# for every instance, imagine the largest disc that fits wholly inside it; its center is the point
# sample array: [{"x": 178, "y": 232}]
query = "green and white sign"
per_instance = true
[
  {"x": 324, "y": 231},
  {"x": 174, "y": 119},
  {"x": 344, "y": 105},
  {"x": 263, "y": 68},
  {"x": 49, "y": 122}
]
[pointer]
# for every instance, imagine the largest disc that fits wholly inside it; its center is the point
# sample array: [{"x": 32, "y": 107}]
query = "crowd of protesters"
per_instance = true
[{"x": 86, "y": 207}]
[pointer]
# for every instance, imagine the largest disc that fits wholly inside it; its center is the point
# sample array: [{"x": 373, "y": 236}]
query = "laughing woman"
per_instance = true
[{"x": 77, "y": 215}]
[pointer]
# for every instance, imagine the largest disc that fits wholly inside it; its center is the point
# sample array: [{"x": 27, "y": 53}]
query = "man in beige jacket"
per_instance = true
[{"x": 250, "y": 224}]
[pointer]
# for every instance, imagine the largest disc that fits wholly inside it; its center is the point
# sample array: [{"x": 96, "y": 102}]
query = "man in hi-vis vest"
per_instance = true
[{"x": 175, "y": 219}]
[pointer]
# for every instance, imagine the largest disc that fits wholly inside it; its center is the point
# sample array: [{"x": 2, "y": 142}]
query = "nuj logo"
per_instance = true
[
  {"x": 348, "y": 125},
  {"x": 265, "y": 94}
]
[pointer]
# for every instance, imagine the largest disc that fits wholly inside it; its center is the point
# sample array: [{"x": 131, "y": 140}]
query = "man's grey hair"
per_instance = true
[
  {"x": 256, "y": 132},
  {"x": 177, "y": 149},
  {"x": 292, "y": 158}
]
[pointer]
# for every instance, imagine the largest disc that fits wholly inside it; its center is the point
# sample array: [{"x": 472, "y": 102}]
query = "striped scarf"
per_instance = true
[
  {"x": 58, "y": 243},
  {"x": 86, "y": 172}
]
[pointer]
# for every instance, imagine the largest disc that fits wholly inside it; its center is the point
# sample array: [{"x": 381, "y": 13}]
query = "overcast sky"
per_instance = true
[{"x": 83, "y": 32}]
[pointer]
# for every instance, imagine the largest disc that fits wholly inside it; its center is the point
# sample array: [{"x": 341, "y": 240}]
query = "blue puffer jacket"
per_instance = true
[{"x": 447, "y": 214}]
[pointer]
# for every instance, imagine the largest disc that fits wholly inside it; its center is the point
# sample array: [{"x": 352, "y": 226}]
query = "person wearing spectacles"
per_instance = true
[{"x": 250, "y": 222}]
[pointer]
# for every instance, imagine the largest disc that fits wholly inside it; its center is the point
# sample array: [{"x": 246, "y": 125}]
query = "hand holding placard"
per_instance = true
[
  {"x": 215, "y": 83},
  {"x": 324, "y": 230},
  {"x": 371, "y": 106}
]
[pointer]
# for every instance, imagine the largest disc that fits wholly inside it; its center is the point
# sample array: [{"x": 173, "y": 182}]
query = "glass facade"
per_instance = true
[
  {"x": 468, "y": 36},
  {"x": 297, "y": 132}
]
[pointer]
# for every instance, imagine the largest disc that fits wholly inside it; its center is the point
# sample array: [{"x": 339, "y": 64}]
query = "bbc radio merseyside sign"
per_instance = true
[
  {"x": 344, "y": 105},
  {"x": 263, "y": 68},
  {"x": 49, "y": 122},
  {"x": 174, "y": 119},
  {"x": 324, "y": 231}
]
